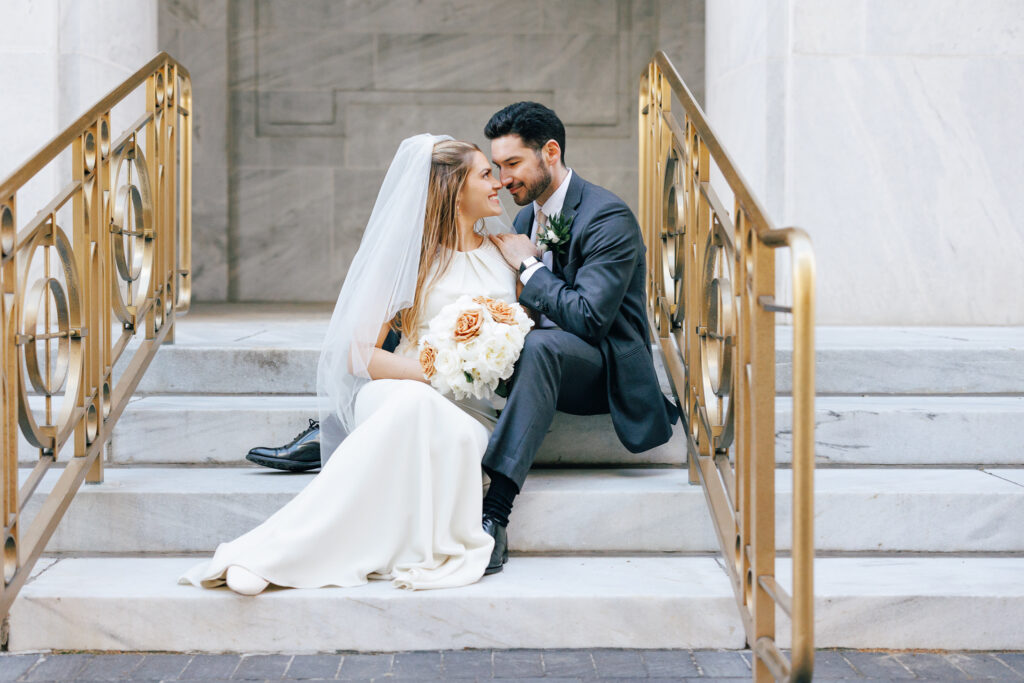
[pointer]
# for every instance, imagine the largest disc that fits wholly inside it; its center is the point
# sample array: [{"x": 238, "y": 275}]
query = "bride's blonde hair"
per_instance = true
[{"x": 449, "y": 167}]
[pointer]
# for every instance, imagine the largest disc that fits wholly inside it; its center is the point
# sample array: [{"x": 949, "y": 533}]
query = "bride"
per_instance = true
[{"x": 399, "y": 496}]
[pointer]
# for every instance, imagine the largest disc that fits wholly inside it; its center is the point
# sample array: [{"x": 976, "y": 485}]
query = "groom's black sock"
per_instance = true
[{"x": 498, "y": 501}]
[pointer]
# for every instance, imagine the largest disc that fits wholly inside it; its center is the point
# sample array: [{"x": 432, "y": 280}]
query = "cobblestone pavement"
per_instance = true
[{"x": 563, "y": 665}]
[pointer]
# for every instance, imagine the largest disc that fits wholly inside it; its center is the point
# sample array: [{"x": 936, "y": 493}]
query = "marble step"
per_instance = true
[
  {"x": 260, "y": 349},
  {"x": 911, "y": 360},
  {"x": 222, "y": 429},
  {"x": 183, "y": 510},
  {"x": 134, "y": 604},
  {"x": 910, "y": 430},
  {"x": 850, "y": 430}
]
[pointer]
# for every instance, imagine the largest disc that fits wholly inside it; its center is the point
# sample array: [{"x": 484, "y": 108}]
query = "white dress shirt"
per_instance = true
[{"x": 551, "y": 207}]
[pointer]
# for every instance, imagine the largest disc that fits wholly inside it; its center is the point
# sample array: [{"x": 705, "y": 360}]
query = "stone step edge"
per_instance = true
[
  {"x": 133, "y": 604},
  {"x": 848, "y": 371},
  {"x": 194, "y": 509},
  {"x": 850, "y": 431}
]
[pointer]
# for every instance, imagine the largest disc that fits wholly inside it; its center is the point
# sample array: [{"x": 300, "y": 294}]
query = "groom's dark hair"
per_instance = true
[{"x": 531, "y": 121}]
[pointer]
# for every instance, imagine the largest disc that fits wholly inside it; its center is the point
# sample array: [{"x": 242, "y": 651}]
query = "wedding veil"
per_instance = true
[{"x": 380, "y": 282}]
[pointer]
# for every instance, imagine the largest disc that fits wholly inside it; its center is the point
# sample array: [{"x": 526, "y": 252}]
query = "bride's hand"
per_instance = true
[{"x": 515, "y": 248}]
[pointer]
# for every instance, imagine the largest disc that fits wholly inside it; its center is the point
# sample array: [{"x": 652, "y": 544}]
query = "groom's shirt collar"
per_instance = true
[{"x": 554, "y": 203}]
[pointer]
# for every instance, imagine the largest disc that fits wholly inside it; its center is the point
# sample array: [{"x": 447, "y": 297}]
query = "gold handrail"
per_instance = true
[
  {"x": 67, "y": 319},
  {"x": 711, "y": 300}
]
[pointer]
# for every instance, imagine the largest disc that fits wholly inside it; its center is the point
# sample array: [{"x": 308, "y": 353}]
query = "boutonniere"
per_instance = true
[{"x": 556, "y": 235}]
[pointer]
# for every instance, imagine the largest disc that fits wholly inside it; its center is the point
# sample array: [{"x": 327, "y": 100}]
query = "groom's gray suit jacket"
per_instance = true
[{"x": 596, "y": 290}]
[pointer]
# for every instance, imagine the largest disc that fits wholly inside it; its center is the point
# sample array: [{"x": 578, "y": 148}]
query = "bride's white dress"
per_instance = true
[{"x": 400, "y": 498}]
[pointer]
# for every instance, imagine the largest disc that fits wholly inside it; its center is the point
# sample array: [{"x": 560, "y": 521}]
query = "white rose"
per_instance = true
[
  {"x": 460, "y": 387},
  {"x": 515, "y": 337},
  {"x": 469, "y": 352},
  {"x": 447, "y": 362},
  {"x": 494, "y": 359},
  {"x": 504, "y": 359}
]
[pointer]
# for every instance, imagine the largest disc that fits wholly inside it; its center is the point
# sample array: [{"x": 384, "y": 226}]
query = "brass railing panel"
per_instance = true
[
  {"x": 103, "y": 263},
  {"x": 711, "y": 295}
]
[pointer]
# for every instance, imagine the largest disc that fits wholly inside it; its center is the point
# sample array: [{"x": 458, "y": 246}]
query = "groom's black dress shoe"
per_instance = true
[
  {"x": 499, "y": 556},
  {"x": 301, "y": 455}
]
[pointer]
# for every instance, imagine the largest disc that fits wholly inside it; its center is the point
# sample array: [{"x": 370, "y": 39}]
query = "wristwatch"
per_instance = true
[{"x": 527, "y": 262}]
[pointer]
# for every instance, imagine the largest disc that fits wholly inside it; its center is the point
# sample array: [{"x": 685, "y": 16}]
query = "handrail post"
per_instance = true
[{"x": 762, "y": 512}]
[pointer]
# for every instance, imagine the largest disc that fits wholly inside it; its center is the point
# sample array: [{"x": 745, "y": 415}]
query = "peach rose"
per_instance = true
[
  {"x": 468, "y": 325},
  {"x": 427, "y": 357},
  {"x": 501, "y": 312}
]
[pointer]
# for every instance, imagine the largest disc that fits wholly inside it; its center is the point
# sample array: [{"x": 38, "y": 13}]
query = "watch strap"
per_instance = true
[{"x": 527, "y": 262}]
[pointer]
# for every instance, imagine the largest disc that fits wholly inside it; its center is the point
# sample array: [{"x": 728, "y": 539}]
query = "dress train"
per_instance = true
[{"x": 399, "y": 499}]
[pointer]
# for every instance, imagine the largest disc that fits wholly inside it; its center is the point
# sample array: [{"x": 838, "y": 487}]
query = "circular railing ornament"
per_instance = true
[
  {"x": 63, "y": 301},
  {"x": 718, "y": 324},
  {"x": 42, "y": 293},
  {"x": 10, "y": 558},
  {"x": 104, "y": 138},
  {"x": 7, "y": 230},
  {"x": 131, "y": 225}
]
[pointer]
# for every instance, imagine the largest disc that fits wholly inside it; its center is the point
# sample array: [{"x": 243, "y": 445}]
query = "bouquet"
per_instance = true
[{"x": 471, "y": 346}]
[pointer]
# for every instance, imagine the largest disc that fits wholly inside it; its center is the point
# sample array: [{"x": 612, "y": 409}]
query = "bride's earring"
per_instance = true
[{"x": 244, "y": 582}]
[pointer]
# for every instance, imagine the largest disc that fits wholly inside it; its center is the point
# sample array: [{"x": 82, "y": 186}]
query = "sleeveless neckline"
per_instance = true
[
  {"x": 483, "y": 244},
  {"x": 481, "y": 248}
]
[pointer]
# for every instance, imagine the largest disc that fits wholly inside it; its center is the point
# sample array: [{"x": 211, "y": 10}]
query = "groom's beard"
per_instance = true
[{"x": 535, "y": 187}]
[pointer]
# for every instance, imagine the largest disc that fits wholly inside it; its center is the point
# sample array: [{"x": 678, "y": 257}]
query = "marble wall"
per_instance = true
[
  {"x": 57, "y": 58},
  {"x": 891, "y": 132},
  {"x": 196, "y": 33},
  {"x": 300, "y": 105}
]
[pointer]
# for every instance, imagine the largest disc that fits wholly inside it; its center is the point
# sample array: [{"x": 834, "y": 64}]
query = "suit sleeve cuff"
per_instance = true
[{"x": 528, "y": 273}]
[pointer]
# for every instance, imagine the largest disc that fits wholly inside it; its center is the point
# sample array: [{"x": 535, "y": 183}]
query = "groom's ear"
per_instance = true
[{"x": 551, "y": 153}]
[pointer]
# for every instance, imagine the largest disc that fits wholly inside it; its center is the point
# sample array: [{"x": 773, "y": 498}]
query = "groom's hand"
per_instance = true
[{"x": 515, "y": 248}]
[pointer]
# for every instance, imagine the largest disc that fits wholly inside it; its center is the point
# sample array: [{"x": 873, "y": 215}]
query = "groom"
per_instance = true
[{"x": 591, "y": 352}]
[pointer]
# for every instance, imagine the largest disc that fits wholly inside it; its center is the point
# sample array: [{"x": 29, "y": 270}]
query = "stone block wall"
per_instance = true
[{"x": 300, "y": 105}]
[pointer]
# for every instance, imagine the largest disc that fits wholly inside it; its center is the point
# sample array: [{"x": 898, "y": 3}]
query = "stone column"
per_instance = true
[
  {"x": 891, "y": 132},
  {"x": 57, "y": 58},
  {"x": 28, "y": 80}
]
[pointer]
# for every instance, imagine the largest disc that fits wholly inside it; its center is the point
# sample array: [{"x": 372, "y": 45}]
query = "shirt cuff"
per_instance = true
[{"x": 528, "y": 273}]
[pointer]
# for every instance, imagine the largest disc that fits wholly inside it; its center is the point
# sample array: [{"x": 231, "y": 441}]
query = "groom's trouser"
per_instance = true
[{"x": 556, "y": 371}]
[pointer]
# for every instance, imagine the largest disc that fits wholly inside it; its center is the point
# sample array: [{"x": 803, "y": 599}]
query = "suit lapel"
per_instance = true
[
  {"x": 574, "y": 195},
  {"x": 570, "y": 207},
  {"x": 524, "y": 220}
]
